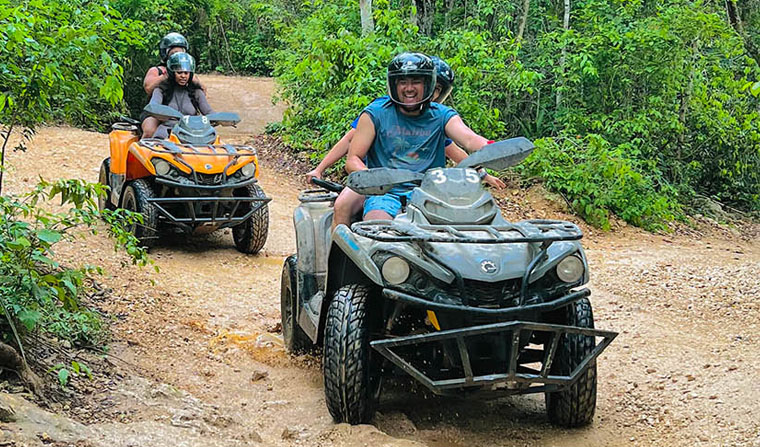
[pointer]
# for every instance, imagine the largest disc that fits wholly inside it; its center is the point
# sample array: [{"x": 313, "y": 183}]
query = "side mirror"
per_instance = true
[
  {"x": 223, "y": 119},
  {"x": 162, "y": 112},
  {"x": 378, "y": 181},
  {"x": 500, "y": 155}
]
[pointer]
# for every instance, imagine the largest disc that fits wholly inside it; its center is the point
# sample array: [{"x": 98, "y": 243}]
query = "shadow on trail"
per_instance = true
[{"x": 467, "y": 420}]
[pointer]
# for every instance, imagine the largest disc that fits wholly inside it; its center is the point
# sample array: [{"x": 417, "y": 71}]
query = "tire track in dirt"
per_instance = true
[{"x": 684, "y": 370}]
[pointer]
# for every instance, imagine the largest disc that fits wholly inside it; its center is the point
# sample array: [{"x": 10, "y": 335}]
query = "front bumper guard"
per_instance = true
[
  {"x": 228, "y": 219},
  {"x": 520, "y": 379}
]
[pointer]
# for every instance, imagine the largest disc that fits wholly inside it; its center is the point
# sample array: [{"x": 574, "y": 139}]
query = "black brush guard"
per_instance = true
[
  {"x": 223, "y": 216},
  {"x": 519, "y": 378}
]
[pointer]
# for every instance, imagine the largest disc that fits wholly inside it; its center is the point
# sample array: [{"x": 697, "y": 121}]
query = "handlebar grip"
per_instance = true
[{"x": 328, "y": 185}]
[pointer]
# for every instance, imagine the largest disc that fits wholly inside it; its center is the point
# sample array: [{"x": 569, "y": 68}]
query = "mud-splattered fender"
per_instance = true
[{"x": 355, "y": 250}]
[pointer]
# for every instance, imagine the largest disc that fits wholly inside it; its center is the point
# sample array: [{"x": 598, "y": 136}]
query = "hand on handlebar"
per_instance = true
[
  {"x": 494, "y": 182},
  {"x": 314, "y": 173}
]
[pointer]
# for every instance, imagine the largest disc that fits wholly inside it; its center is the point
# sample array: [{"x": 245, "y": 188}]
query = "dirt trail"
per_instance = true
[{"x": 204, "y": 365}]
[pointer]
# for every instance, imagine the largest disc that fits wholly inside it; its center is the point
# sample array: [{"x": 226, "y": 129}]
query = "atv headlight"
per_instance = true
[
  {"x": 162, "y": 167},
  {"x": 570, "y": 269},
  {"x": 248, "y": 170},
  {"x": 395, "y": 270}
]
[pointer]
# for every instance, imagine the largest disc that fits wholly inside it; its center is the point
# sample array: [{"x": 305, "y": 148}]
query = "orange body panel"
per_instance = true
[
  {"x": 138, "y": 162},
  {"x": 120, "y": 141}
]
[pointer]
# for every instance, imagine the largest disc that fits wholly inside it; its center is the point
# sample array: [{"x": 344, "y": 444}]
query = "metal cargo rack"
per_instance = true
[{"x": 393, "y": 231}]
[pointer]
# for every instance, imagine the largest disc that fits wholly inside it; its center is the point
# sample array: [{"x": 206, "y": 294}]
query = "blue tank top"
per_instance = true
[
  {"x": 408, "y": 142},
  {"x": 382, "y": 99}
]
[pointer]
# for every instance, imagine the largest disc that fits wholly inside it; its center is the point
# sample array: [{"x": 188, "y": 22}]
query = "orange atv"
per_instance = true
[{"x": 190, "y": 181}]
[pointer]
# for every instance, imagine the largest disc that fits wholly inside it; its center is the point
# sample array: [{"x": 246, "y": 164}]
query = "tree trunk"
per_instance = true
[
  {"x": 734, "y": 18},
  {"x": 563, "y": 58},
  {"x": 523, "y": 20},
  {"x": 10, "y": 359},
  {"x": 449, "y": 5},
  {"x": 368, "y": 25},
  {"x": 425, "y": 15}
]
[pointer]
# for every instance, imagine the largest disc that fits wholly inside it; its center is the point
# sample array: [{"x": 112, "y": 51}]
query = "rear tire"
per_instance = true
[
  {"x": 251, "y": 235},
  {"x": 352, "y": 379},
  {"x": 104, "y": 202},
  {"x": 575, "y": 406},
  {"x": 136, "y": 196},
  {"x": 295, "y": 339}
]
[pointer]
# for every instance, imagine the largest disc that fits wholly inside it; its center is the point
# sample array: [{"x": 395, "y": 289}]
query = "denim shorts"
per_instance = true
[{"x": 391, "y": 202}]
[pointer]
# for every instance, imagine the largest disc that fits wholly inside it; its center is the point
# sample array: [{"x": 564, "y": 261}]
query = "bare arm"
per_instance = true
[
  {"x": 458, "y": 131},
  {"x": 360, "y": 144},
  {"x": 152, "y": 79},
  {"x": 336, "y": 153}
]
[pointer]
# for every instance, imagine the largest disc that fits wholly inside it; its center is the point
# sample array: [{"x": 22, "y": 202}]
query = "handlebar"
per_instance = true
[{"x": 327, "y": 184}]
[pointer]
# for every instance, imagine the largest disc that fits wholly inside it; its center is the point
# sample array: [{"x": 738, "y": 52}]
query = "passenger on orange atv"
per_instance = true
[
  {"x": 170, "y": 44},
  {"x": 178, "y": 92}
]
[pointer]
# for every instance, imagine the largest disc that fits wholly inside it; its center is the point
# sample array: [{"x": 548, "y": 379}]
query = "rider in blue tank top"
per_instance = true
[
  {"x": 407, "y": 131},
  {"x": 408, "y": 142}
]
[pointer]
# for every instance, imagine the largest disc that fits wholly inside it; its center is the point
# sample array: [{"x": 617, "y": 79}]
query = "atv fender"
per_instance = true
[
  {"x": 349, "y": 245},
  {"x": 348, "y": 263}
]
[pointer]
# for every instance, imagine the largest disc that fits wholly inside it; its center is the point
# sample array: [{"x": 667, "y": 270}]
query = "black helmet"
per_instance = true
[
  {"x": 170, "y": 41},
  {"x": 444, "y": 76},
  {"x": 180, "y": 62},
  {"x": 411, "y": 65}
]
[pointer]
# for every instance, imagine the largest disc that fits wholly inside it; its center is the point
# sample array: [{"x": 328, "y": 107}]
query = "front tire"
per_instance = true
[
  {"x": 352, "y": 379},
  {"x": 251, "y": 235},
  {"x": 136, "y": 196},
  {"x": 295, "y": 339},
  {"x": 575, "y": 406},
  {"x": 104, "y": 202}
]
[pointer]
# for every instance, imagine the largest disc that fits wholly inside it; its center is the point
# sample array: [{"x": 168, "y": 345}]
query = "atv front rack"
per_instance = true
[
  {"x": 518, "y": 377},
  {"x": 221, "y": 215},
  {"x": 392, "y": 231}
]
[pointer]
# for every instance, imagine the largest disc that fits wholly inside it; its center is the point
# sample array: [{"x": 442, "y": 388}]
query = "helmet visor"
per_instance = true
[
  {"x": 411, "y": 88},
  {"x": 181, "y": 62}
]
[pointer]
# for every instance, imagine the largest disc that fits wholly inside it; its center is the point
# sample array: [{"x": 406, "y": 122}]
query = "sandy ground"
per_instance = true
[{"x": 201, "y": 363}]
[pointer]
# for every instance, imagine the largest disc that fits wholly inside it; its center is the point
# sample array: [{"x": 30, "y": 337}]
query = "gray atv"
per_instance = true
[{"x": 448, "y": 293}]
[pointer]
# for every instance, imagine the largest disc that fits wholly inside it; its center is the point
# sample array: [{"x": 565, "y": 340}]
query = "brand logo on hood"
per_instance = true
[
  {"x": 488, "y": 267},
  {"x": 208, "y": 167}
]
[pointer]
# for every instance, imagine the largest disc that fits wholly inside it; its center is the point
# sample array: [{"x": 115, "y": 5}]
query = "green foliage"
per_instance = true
[
  {"x": 642, "y": 105},
  {"x": 58, "y": 60},
  {"x": 64, "y": 373},
  {"x": 598, "y": 178},
  {"x": 37, "y": 292}
]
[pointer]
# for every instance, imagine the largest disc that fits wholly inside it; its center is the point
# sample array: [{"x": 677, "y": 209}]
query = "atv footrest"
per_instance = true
[
  {"x": 518, "y": 377},
  {"x": 218, "y": 213}
]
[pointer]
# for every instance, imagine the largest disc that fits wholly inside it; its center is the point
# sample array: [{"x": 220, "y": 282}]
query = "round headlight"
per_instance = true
[
  {"x": 570, "y": 269},
  {"x": 395, "y": 270},
  {"x": 162, "y": 167},
  {"x": 248, "y": 170}
]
